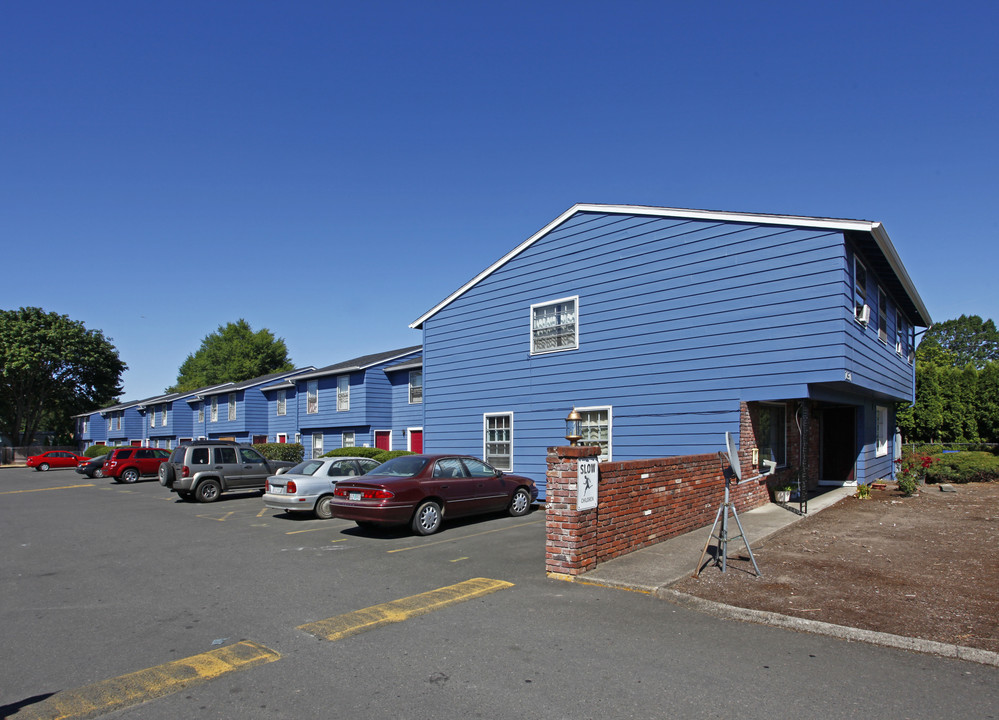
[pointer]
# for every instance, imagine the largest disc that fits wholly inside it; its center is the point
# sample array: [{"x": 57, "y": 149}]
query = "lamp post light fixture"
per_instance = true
[{"x": 573, "y": 427}]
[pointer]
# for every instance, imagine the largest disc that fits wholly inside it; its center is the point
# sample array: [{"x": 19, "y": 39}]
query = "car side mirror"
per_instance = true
[{"x": 499, "y": 473}]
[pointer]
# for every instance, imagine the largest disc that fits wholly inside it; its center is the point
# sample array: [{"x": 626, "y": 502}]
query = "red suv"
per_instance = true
[{"x": 126, "y": 465}]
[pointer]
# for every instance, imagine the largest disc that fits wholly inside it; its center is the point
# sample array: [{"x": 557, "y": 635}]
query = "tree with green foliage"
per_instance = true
[
  {"x": 51, "y": 368},
  {"x": 969, "y": 339},
  {"x": 232, "y": 353}
]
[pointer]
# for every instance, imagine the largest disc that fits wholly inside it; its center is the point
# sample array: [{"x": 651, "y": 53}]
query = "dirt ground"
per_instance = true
[{"x": 925, "y": 566}]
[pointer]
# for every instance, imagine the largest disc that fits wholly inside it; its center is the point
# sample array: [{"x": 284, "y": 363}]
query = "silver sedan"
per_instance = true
[{"x": 308, "y": 487}]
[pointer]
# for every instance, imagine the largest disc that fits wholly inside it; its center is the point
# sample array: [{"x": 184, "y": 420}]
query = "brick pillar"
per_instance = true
[{"x": 571, "y": 547}]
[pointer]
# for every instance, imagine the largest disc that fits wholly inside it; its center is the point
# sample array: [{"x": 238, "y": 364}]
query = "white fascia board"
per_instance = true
[
  {"x": 886, "y": 246},
  {"x": 873, "y": 228}
]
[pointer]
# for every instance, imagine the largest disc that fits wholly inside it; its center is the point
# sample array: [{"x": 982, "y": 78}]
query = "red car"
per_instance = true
[
  {"x": 54, "y": 459},
  {"x": 419, "y": 490},
  {"x": 127, "y": 465}
]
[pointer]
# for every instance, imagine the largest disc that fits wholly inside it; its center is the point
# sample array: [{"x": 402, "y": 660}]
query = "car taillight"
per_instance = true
[
  {"x": 185, "y": 471},
  {"x": 365, "y": 494},
  {"x": 290, "y": 487},
  {"x": 267, "y": 486}
]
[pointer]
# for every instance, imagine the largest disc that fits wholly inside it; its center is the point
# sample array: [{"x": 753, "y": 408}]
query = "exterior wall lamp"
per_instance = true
[{"x": 573, "y": 427}]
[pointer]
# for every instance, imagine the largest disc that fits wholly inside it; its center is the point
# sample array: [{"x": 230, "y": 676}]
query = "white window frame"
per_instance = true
[
  {"x": 201, "y": 412},
  {"x": 882, "y": 316},
  {"x": 881, "y": 430},
  {"x": 348, "y": 439},
  {"x": 298, "y": 438},
  {"x": 282, "y": 402},
  {"x": 486, "y": 442},
  {"x": 152, "y": 416},
  {"x": 575, "y": 330},
  {"x": 110, "y": 421},
  {"x": 121, "y": 415},
  {"x": 610, "y": 428},
  {"x": 312, "y": 397},
  {"x": 415, "y": 389},
  {"x": 317, "y": 445},
  {"x": 164, "y": 415},
  {"x": 343, "y": 393},
  {"x": 859, "y": 291},
  {"x": 232, "y": 406},
  {"x": 85, "y": 426},
  {"x": 215, "y": 409}
]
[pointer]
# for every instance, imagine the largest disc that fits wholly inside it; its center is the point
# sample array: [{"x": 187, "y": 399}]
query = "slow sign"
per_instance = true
[{"x": 586, "y": 484}]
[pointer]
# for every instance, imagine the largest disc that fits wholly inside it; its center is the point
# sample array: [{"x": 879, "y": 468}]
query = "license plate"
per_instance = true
[
  {"x": 355, "y": 496},
  {"x": 277, "y": 490}
]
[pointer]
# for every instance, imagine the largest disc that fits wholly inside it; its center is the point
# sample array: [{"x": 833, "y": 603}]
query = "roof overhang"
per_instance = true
[{"x": 874, "y": 229}]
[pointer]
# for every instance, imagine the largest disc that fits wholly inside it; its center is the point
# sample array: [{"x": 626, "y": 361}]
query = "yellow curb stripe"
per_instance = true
[
  {"x": 138, "y": 687},
  {"x": 376, "y": 616},
  {"x": 64, "y": 487}
]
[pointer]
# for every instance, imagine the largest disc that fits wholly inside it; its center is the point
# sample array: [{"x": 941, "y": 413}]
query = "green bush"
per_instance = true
[
  {"x": 963, "y": 467},
  {"x": 386, "y": 455},
  {"x": 367, "y": 452},
  {"x": 98, "y": 450},
  {"x": 290, "y": 452}
]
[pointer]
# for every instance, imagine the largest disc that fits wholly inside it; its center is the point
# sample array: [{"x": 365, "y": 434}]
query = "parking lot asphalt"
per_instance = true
[{"x": 158, "y": 608}]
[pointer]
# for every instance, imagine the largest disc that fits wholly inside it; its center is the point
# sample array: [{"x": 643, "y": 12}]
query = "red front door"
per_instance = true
[
  {"x": 416, "y": 441},
  {"x": 383, "y": 439}
]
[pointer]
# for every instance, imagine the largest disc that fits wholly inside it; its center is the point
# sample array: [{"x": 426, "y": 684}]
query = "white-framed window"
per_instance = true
[
  {"x": 85, "y": 426},
  {"x": 201, "y": 412},
  {"x": 497, "y": 440},
  {"x": 152, "y": 416},
  {"x": 312, "y": 397},
  {"x": 882, "y": 316},
  {"x": 317, "y": 445},
  {"x": 110, "y": 421},
  {"x": 298, "y": 438},
  {"x": 771, "y": 434},
  {"x": 343, "y": 393},
  {"x": 415, "y": 386},
  {"x": 881, "y": 421},
  {"x": 232, "y": 406},
  {"x": 901, "y": 334},
  {"x": 120, "y": 417},
  {"x": 859, "y": 287},
  {"x": 596, "y": 429},
  {"x": 215, "y": 409},
  {"x": 347, "y": 440},
  {"x": 164, "y": 414},
  {"x": 282, "y": 402},
  {"x": 555, "y": 325}
]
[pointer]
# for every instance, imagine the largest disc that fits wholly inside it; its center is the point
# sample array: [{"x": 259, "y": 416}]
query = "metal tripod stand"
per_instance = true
[{"x": 722, "y": 554}]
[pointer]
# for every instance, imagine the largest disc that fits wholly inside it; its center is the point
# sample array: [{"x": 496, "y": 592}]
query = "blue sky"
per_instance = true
[{"x": 330, "y": 171}]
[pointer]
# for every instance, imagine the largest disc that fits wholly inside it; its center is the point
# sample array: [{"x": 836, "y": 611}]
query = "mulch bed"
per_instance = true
[{"x": 925, "y": 566}]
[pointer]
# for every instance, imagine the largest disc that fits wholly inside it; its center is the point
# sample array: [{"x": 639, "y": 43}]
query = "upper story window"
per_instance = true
[
  {"x": 164, "y": 415},
  {"x": 859, "y": 288},
  {"x": 201, "y": 412},
  {"x": 85, "y": 426},
  {"x": 120, "y": 416},
  {"x": 232, "y": 406},
  {"x": 555, "y": 326},
  {"x": 312, "y": 398},
  {"x": 152, "y": 416},
  {"x": 110, "y": 421},
  {"x": 343, "y": 393},
  {"x": 882, "y": 316},
  {"x": 415, "y": 386},
  {"x": 282, "y": 402},
  {"x": 596, "y": 429},
  {"x": 215, "y": 408}
]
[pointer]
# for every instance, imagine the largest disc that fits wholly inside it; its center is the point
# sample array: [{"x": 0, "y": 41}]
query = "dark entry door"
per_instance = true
[{"x": 839, "y": 444}]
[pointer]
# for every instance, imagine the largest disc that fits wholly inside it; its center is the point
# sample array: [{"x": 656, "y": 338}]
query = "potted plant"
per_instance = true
[{"x": 782, "y": 492}]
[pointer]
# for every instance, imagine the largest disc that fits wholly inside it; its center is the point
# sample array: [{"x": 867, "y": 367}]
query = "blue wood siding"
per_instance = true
[
  {"x": 678, "y": 322},
  {"x": 404, "y": 413}
]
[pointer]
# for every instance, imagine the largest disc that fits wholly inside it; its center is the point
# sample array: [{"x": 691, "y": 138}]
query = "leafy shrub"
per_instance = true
[
  {"x": 387, "y": 455},
  {"x": 98, "y": 450},
  {"x": 291, "y": 452},
  {"x": 907, "y": 484},
  {"x": 367, "y": 452},
  {"x": 964, "y": 467}
]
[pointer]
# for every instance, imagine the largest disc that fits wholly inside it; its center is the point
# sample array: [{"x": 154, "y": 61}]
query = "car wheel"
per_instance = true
[
  {"x": 98, "y": 473},
  {"x": 43, "y": 467},
  {"x": 427, "y": 519},
  {"x": 166, "y": 474},
  {"x": 130, "y": 476},
  {"x": 208, "y": 491},
  {"x": 324, "y": 507},
  {"x": 520, "y": 503}
]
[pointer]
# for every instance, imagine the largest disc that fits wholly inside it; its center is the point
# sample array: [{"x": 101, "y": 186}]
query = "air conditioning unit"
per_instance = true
[{"x": 864, "y": 315}]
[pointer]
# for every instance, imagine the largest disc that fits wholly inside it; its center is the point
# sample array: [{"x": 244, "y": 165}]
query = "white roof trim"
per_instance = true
[{"x": 874, "y": 228}]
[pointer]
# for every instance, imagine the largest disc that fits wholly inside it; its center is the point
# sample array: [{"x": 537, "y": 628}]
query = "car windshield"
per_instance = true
[
  {"x": 405, "y": 466},
  {"x": 308, "y": 467}
]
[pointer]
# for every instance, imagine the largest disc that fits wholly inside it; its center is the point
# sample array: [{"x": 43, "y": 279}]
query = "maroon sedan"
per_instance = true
[
  {"x": 420, "y": 490},
  {"x": 54, "y": 459}
]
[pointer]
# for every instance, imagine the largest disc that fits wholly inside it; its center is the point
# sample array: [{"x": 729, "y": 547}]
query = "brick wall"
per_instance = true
[{"x": 641, "y": 503}]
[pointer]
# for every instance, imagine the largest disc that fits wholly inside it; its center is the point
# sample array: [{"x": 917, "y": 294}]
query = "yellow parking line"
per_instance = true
[
  {"x": 296, "y": 532},
  {"x": 261, "y": 513},
  {"x": 484, "y": 532},
  {"x": 138, "y": 687},
  {"x": 219, "y": 519},
  {"x": 64, "y": 487},
  {"x": 352, "y": 623}
]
